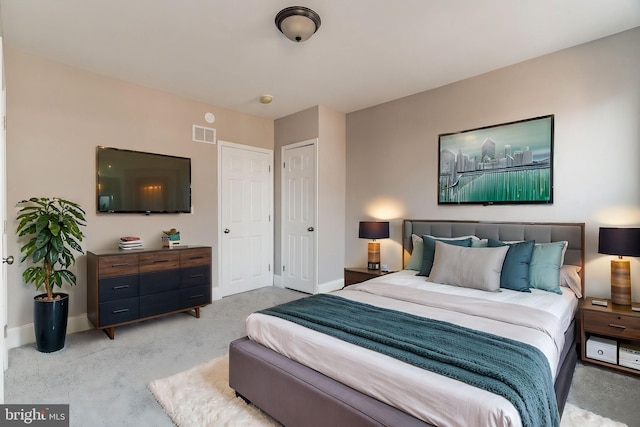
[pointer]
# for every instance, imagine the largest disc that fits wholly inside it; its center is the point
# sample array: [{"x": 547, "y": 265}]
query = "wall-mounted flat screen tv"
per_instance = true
[{"x": 138, "y": 182}]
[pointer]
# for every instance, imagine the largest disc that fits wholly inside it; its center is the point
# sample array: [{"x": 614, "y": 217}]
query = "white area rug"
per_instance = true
[{"x": 201, "y": 397}]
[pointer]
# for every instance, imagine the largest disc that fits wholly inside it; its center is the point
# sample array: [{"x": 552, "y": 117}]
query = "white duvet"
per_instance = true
[{"x": 539, "y": 319}]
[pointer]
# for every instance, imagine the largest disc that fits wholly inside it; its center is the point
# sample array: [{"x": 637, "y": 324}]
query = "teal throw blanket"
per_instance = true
[{"x": 517, "y": 371}]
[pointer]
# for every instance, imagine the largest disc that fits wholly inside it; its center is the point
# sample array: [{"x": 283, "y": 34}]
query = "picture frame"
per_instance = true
[{"x": 508, "y": 163}]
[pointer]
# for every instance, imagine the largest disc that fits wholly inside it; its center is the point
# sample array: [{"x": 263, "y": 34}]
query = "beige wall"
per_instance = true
[
  {"x": 594, "y": 92},
  {"x": 57, "y": 115},
  {"x": 329, "y": 127},
  {"x": 297, "y": 127},
  {"x": 331, "y": 194}
]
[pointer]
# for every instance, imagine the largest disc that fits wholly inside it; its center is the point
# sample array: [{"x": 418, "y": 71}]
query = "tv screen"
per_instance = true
[{"x": 138, "y": 182}]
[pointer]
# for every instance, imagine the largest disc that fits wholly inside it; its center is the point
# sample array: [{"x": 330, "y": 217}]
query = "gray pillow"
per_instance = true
[
  {"x": 429, "y": 249},
  {"x": 477, "y": 268}
]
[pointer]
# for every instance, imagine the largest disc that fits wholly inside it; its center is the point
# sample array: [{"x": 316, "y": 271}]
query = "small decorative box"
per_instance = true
[
  {"x": 170, "y": 238},
  {"x": 169, "y": 242}
]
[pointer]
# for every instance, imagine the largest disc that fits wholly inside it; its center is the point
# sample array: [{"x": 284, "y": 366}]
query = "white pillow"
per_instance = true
[
  {"x": 570, "y": 278},
  {"x": 477, "y": 268}
]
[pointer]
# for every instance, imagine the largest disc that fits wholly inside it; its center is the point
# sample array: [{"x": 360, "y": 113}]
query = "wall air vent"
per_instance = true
[{"x": 204, "y": 134}]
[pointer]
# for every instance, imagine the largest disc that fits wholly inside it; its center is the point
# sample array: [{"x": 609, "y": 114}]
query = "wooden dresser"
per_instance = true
[{"x": 130, "y": 286}]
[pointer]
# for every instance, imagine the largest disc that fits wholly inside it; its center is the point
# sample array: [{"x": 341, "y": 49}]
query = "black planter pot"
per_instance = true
[{"x": 50, "y": 322}]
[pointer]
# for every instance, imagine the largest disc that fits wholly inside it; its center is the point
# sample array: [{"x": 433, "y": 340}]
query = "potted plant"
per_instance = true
[{"x": 53, "y": 225}]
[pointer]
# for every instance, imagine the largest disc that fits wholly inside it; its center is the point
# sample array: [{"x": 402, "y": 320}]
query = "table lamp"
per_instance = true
[
  {"x": 620, "y": 242},
  {"x": 373, "y": 230}
]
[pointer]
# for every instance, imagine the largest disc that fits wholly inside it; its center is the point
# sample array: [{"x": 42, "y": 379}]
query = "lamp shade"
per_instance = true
[
  {"x": 374, "y": 230},
  {"x": 619, "y": 241}
]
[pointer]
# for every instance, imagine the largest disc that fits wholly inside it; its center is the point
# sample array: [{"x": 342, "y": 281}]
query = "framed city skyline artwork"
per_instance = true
[{"x": 509, "y": 163}]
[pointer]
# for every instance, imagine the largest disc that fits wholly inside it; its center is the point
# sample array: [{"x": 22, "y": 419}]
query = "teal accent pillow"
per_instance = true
[
  {"x": 429, "y": 250},
  {"x": 415, "y": 262},
  {"x": 516, "y": 266},
  {"x": 480, "y": 243},
  {"x": 544, "y": 271}
]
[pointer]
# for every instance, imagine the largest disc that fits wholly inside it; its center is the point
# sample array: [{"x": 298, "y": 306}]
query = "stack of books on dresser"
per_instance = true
[{"x": 130, "y": 242}]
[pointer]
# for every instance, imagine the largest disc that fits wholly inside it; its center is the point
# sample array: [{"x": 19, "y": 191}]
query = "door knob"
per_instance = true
[
  {"x": 8, "y": 260},
  {"x": 310, "y": 229},
  {"x": 226, "y": 231}
]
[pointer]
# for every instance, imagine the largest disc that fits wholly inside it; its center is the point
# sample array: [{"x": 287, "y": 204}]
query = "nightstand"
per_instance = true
[
  {"x": 614, "y": 322},
  {"x": 355, "y": 275}
]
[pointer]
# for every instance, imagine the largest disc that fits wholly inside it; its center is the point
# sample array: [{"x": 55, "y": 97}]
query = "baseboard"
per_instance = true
[
  {"x": 277, "y": 281},
  {"x": 24, "y": 334},
  {"x": 334, "y": 285},
  {"x": 216, "y": 293},
  {"x": 323, "y": 288}
]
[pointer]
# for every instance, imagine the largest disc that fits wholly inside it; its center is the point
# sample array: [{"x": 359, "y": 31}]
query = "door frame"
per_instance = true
[
  {"x": 314, "y": 143},
  {"x": 216, "y": 291},
  {"x": 4, "y": 351}
]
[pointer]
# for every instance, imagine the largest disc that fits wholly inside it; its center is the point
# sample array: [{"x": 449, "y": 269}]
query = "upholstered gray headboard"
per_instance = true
[{"x": 541, "y": 232}]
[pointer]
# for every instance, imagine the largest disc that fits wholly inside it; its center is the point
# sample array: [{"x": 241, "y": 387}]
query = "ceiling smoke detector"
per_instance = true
[{"x": 297, "y": 23}]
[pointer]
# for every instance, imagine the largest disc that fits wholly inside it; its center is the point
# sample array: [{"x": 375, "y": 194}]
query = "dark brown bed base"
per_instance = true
[{"x": 298, "y": 396}]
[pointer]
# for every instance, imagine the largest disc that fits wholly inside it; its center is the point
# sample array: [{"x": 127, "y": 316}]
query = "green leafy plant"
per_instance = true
[{"x": 54, "y": 226}]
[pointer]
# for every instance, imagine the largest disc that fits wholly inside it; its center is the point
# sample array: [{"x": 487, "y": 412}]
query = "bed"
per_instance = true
[{"x": 311, "y": 379}]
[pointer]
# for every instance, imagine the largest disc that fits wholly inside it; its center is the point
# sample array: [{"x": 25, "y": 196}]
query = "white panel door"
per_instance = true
[
  {"x": 3, "y": 223},
  {"x": 246, "y": 228},
  {"x": 299, "y": 216},
  {"x": 3, "y": 243}
]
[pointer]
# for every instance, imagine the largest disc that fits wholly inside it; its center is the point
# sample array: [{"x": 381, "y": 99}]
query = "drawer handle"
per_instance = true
[
  {"x": 160, "y": 260},
  {"x": 193, "y": 276},
  {"x": 196, "y": 257},
  {"x": 115, "y": 288},
  {"x": 196, "y": 296},
  {"x": 613, "y": 325},
  {"x": 124, "y": 310},
  {"x": 124, "y": 264}
]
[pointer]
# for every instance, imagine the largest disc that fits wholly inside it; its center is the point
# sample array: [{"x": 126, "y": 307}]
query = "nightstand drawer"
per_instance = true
[{"x": 611, "y": 324}]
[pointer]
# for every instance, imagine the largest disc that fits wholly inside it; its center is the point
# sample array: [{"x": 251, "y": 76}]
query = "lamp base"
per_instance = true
[
  {"x": 620, "y": 282},
  {"x": 373, "y": 256}
]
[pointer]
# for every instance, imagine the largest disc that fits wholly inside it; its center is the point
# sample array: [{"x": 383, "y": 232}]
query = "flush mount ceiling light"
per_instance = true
[{"x": 297, "y": 23}]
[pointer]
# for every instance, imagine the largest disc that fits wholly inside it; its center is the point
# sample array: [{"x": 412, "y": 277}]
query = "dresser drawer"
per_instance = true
[
  {"x": 117, "y": 265},
  {"x": 195, "y": 296},
  {"x": 196, "y": 256},
  {"x": 158, "y": 261},
  {"x": 112, "y": 288},
  {"x": 161, "y": 281},
  {"x": 118, "y": 311},
  {"x": 611, "y": 324},
  {"x": 151, "y": 305},
  {"x": 195, "y": 276}
]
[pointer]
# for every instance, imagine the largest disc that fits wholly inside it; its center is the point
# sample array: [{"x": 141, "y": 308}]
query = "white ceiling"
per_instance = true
[{"x": 366, "y": 52}]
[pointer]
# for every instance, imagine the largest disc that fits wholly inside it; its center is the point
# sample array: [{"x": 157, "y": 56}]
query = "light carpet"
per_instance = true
[{"x": 201, "y": 397}]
